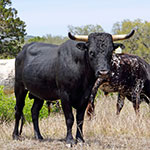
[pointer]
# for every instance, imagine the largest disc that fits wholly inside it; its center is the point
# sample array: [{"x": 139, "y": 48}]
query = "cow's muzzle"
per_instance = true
[{"x": 102, "y": 73}]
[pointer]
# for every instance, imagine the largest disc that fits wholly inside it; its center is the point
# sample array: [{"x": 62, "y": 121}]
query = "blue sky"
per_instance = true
[{"x": 44, "y": 17}]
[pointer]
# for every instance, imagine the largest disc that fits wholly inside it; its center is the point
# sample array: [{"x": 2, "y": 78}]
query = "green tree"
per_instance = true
[
  {"x": 85, "y": 30},
  {"x": 49, "y": 39},
  {"x": 35, "y": 39},
  {"x": 12, "y": 30},
  {"x": 139, "y": 44},
  {"x": 54, "y": 39}
]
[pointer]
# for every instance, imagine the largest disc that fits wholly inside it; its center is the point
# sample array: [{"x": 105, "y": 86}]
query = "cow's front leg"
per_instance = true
[
  {"x": 80, "y": 119},
  {"x": 67, "y": 109},
  {"x": 120, "y": 103}
]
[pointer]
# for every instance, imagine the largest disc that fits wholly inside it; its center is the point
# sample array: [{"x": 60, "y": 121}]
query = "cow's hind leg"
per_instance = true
[
  {"x": 37, "y": 105},
  {"x": 20, "y": 94},
  {"x": 136, "y": 105},
  {"x": 136, "y": 92},
  {"x": 48, "y": 103},
  {"x": 120, "y": 103}
]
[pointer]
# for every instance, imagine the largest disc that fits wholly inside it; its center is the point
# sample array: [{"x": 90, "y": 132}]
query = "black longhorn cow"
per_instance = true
[
  {"x": 67, "y": 72},
  {"x": 130, "y": 77}
]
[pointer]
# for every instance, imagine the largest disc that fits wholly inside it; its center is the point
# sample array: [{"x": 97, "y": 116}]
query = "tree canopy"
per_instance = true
[
  {"x": 12, "y": 30},
  {"x": 85, "y": 30},
  {"x": 139, "y": 44},
  {"x": 49, "y": 39}
]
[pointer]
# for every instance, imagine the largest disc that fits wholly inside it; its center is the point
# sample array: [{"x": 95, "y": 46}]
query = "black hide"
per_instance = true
[{"x": 67, "y": 72}]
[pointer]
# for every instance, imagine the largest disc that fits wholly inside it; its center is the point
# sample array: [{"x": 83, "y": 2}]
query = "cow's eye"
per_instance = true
[{"x": 92, "y": 53}]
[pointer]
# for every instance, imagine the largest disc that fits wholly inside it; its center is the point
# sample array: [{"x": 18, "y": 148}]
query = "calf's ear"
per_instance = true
[
  {"x": 116, "y": 45},
  {"x": 82, "y": 46}
]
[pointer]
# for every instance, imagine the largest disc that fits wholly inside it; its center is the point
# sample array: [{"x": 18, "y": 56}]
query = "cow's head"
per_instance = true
[{"x": 99, "y": 47}]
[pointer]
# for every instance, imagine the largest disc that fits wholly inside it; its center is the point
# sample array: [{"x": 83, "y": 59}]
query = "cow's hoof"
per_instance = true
[
  {"x": 68, "y": 145},
  {"x": 15, "y": 137},
  {"x": 80, "y": 140},
  {"x": 70, "y": 142},
  {"x": 38, "y": 137}
]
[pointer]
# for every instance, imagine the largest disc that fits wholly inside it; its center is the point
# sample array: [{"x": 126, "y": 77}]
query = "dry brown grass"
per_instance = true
[{"x": 104, "y": 131}]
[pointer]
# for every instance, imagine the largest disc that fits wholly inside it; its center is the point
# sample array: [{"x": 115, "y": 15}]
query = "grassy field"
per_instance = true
[{"x": 105, "y": 130}]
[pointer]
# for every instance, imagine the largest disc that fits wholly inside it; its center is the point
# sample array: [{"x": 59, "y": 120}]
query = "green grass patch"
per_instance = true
[{"x": 7, "y": 105}]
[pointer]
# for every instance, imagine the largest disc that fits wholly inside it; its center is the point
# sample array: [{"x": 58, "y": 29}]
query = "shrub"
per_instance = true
[
  {"x": 7, "y": 111},
  {"x": 7, "y": 104}
]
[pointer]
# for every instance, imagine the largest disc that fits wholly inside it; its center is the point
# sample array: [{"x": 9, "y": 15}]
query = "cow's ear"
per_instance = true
[
  {"x": 82, "y": 46},
  {"x": 116, "y": 45}
]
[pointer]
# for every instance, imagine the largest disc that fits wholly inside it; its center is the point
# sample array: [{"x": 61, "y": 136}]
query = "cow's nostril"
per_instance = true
[{"x": 102, "y": 72}]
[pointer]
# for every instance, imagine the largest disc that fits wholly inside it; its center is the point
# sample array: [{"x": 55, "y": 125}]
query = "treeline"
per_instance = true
[
  {"x": 139, "y": 44},
  {"x": 12, "y": 33},
  {"x": 48, "y": 39}
]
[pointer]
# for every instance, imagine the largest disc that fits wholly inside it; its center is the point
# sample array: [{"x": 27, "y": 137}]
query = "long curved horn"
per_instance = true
[
  {"x": 78, "y": 37},
  {"x": 114, "y": 37},
  {"x": 122, "y": 36}
]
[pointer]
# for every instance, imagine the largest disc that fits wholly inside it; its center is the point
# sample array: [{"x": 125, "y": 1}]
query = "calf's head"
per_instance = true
[{"x": 99, "y": 47}]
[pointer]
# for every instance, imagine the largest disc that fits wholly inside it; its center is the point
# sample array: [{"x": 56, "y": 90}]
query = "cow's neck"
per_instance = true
[
  {"x": 88, "y": 82},
  {"x": 89, "y": 71}
]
